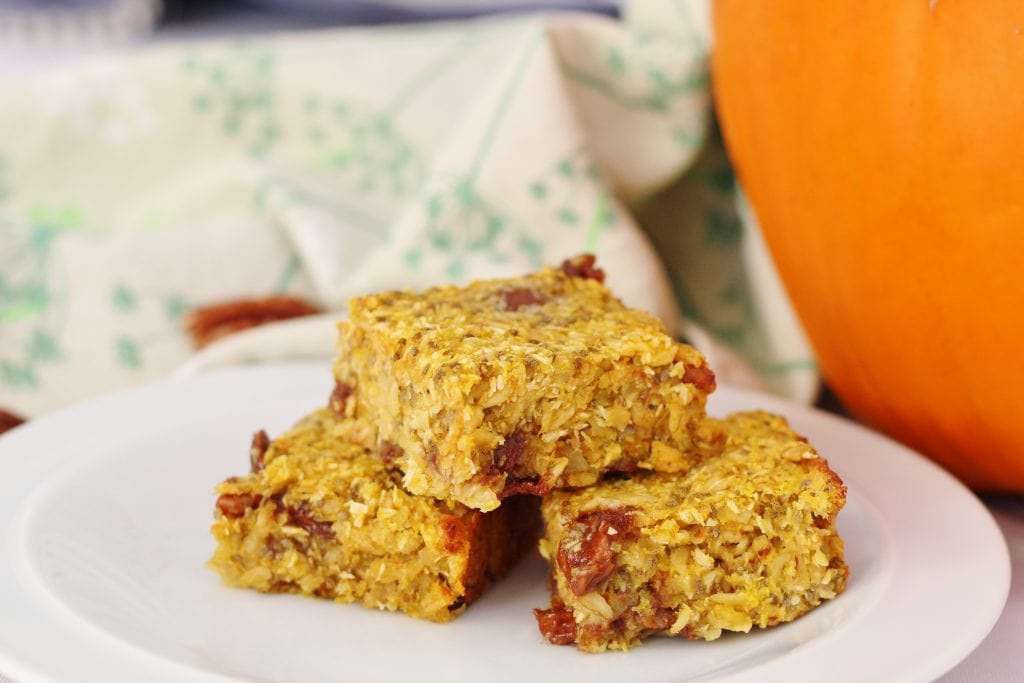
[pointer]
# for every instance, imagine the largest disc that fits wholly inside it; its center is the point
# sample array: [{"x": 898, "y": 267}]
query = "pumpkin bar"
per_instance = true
[
  {"x": 321, "y": 516},
  {"x": 747, "y": 538},
  {"x": 520, "y": 385}
]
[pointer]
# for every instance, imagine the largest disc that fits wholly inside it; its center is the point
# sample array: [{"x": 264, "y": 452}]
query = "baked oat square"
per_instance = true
[
  {"x": 520, "y": 385},
  {"x": 744, "y": 539},
  {"x": 321, "y": 516}
]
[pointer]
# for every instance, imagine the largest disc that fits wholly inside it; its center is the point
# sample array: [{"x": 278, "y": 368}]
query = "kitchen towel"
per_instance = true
[{"x": 324, "y": 164}]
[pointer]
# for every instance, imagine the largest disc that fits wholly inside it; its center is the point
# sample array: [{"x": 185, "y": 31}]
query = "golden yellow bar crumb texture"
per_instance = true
[
  {"x": 744, "y": 539},
  {"x": 322, "y": 516},
  {"x": 520, "y": 385}
]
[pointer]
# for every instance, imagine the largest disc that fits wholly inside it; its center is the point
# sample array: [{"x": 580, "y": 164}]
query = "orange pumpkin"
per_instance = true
[{"x": 882, "y": 145}]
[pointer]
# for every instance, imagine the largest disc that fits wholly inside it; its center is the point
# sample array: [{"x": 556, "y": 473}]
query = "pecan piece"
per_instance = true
[
  {"x": 209, "y": 323},
  {"x": 234, "y": 505},
  {"x": 585, "y": 554},
  {"x": 556, "y": 624},
  {"x": 701, "y": 376},
  {"x": 258, "y": 449},
  {"x": 517, "y": 298},
  {"x": 9, "y": 421},
  {"x": 583, "y": 266}
]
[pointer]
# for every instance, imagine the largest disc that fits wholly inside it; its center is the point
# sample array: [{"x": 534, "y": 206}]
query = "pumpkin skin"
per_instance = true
[{"x": 882, "y": 146}]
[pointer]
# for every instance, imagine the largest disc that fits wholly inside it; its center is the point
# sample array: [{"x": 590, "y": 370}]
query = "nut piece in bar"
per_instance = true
[
  {"x": 744, "y": 539},
  {"x": 321, "y": 516},
  {"x": 520, "y": 385}
]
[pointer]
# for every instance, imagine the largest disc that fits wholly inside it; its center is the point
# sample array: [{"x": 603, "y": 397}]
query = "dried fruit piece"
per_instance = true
[
  {"x": 583, "y": 266},
  {"x": 509, "y": 455},
  {"x": 556, "y": 624},
  {"x": 339, "y": 397},
  {"x": 585, "y": 554},
  {"x": 234, "y": 505},
  {"x": 517, "y": 298}
]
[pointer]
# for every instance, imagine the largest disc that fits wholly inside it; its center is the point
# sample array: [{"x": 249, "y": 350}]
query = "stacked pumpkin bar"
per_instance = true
[
  {"x": 465, "y": 404},
  {"x": 322, "y": 515}
]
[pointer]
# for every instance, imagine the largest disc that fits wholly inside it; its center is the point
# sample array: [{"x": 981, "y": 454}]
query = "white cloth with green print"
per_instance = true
[{"x": 327, "y": 164}]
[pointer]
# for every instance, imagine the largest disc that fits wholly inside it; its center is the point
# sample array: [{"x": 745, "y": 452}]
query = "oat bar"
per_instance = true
[
  {"x": 321, "y": 516},
  {"x": 745, "y": 539},
  {"x": 520, "y": 385}
]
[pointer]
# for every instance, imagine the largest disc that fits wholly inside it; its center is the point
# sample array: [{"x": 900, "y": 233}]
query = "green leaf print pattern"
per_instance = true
[
  {"x": 709, "y": 278},
  {"x": 363, "y": 148},
  {"x": 640, "y": 74},
  {"x": 642, "y": 83},
  {"x": 237, "y": 93},
  {"x": 559, "y": 190},
  {"x": 133, "y": 307},
  {"x": 128, "y": 352},
  {"x": 366, "y": 143},
  {"x": 360, "y": 146},
  {"x": 460, "y": 221},
  {"x": 33, "y": 294}
]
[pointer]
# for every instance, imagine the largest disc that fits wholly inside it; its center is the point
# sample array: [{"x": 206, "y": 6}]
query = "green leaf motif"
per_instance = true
[
  {"x": 235, "y": 90},
  {"x": 43, "y": 346},
  {"x": 687, "y": 139},
  {"x": 644, "y": 76},
  {"x": 732, "y": 294},
  {"x": 20, "y": 301},
  {"x": 128, "y": 353},
  {"x": 174, "y": 308},
  {"x": 566, "y": 184},
  {"x": 720, "y": 178},
  {"x": 365, "y": 149},
  {"x": 532, "y": 247},
  {"x": 441, "y": 240},
  {"x": 455, "y": 269},
  {"x": 722, "y": 228},
  {"x": 462, "y": 223},
  {"x": 18, "y": 375},
  {"x": 123, "y": 298},
  {"x": 733, "y": 335},
  {"x": 413, "y": 258},
  {"x": 569, "y": 217},
  {"x": 616, "y": 61}
]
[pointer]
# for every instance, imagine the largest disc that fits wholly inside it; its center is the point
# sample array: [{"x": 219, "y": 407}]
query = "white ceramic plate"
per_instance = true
[{"x": 104, "y": 516}]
